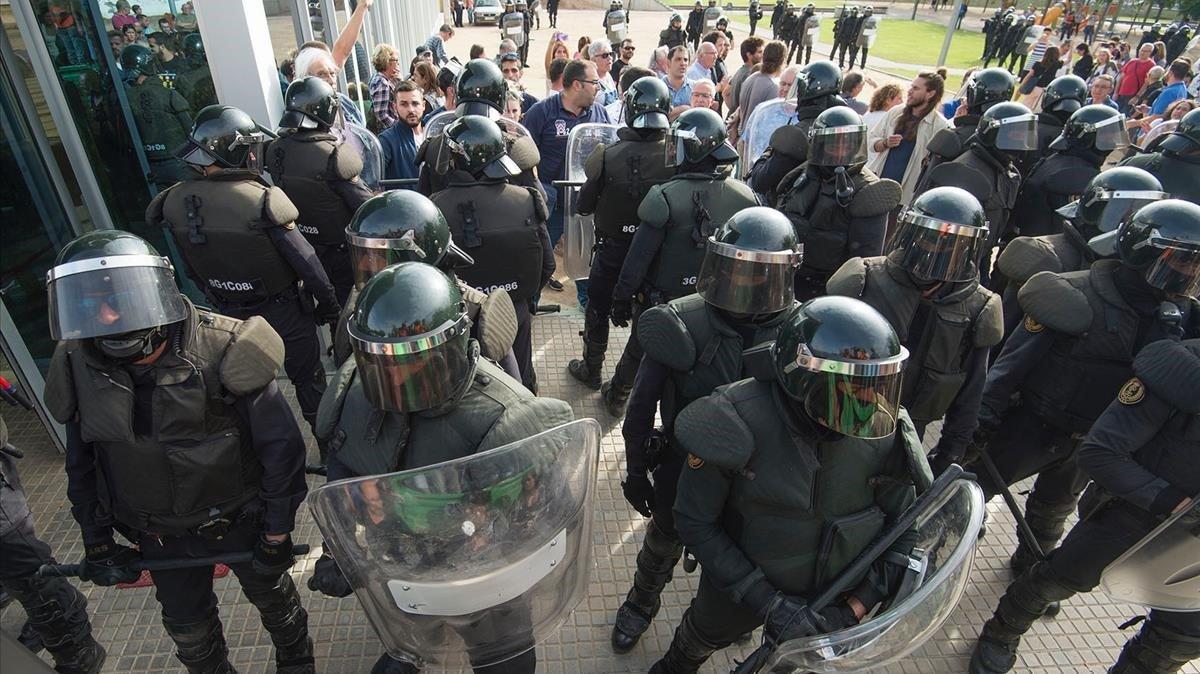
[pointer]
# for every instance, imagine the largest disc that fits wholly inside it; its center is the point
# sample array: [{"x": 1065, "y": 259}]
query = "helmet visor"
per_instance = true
[
  {"x": 856, "y": 398},
  {"x": 747, "y": 281},
  {"x": 1176, "y": 270},
  {"x": 938, "y": 250},
  {"x": 417, "y": 373},
  {"x": 1017, "y": 134},
  {"x": 1107, "y": 209},
  {"x": 1111, "y": 134},
  {"x": 370, "y": 255},
  {"x": 838, "y": 146},
  {"x": 112, "y": 296},
  {"x": 680, "y": 144}
]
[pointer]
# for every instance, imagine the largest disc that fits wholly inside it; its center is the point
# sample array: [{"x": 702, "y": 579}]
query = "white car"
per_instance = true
[{"x": 487, "y": 11}]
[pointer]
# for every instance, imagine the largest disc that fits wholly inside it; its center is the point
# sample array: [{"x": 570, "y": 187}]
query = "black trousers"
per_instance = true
[
  {"x": 602, "y": 279},
  {"x": 523, "y": 344}
]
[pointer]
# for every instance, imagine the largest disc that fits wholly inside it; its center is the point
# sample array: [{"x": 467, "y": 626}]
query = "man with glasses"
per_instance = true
[
  {"x": 704, "y": 94},
  {"x": 702, "y": 68},
  {"x": 624, "y": 58}
]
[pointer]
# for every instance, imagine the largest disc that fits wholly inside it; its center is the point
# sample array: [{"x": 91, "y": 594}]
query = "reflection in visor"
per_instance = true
[
  {"x": 1110, "y": 133},
  {"x": 937, "y": 250},
  {"x": 369, "y": 255},
  {"x": 861, "y": 407},
  {"x": 838, "y": 146},
  {"x": 1017, "y": 133},
  {"x": 677, "y": 144},
  {"x": 114, "y": 300},
  {"x": 747, "y": 282},
  {"x": 1176, "y": 271}
]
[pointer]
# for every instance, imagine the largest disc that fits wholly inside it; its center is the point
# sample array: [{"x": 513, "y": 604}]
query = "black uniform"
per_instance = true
[
  {"x": 788, "y": 148},
  {"x": 755, "y": 15},
  {"x": 163, "y": 118},
  {"x": 552, "y": 12},
  {"x": 672, "y": 38},
  {"x": 789, "y": 32},
  {"x": 847, "y": 36},
  {"x": 1049, "y": 126},
  {"x": 777, "y": 15},
  {"x": 695, "y": 27},
  {"x": 1178, "y": 173},
  {"x": 1053, "y": 183},
  {"x": 990, "y": 27}
]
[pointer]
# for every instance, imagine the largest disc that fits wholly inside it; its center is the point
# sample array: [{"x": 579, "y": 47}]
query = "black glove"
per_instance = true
[
  {"x": 272, "y": 558},
  {"x": 621, "y": 312},
  {"x": 940, "y": 461},
  {"x": 109, "y": 563},
  {"x": 790, "y": 618},
  {"x": 328, "y": 579},
  {"x": 640, "y": 493},
  {"x": 327, "y": 314}
]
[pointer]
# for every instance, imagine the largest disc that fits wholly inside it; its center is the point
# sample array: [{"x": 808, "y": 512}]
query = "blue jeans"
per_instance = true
[{"x": 554, "y": 226}]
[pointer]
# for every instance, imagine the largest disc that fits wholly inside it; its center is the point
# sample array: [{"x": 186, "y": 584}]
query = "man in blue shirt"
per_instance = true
[
  {"x": 677, "y": 81},
  {"x": 401, "y": 140},
  {"x": 1101, "y": 92},
  {"x": 550, "y": 122},
  {"x": 1175, "y": 90}
]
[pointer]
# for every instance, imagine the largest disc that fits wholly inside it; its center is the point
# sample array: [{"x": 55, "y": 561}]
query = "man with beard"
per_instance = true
[
  {"x": 401, "y": 140},
  {"x": 901, "y": 139}
]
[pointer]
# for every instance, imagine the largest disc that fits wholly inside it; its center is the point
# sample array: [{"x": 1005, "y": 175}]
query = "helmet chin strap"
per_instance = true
[
  {"x": 844, "y": 187},
  {"x": 132, "y": 346}
]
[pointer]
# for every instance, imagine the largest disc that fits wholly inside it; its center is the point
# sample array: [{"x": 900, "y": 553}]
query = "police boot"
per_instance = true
[
  {"x": 615, "y": 396},
  {"x": 287, "y": 622},
  {"x": 655, "y": 561},
  {"x": 587, "y": 369},
  {"x": 200, "y": 644},
  {"x": 58, "y": 615},
  {"x": 29, "y": 638},
  {"x": 386, "y": 664},
  {"x": 1156, "y": 649},
  {"x": 688, "y": 650},
  {"x": 1025, "y": 601}
]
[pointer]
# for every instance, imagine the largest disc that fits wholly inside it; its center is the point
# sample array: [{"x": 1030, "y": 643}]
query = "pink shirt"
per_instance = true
[
  {"x": 119, "y": 21},
  {"x": 1133, "y": 76}
]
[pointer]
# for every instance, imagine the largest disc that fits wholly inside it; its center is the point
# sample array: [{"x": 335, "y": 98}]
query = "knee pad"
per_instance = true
[{"x": 199, "y": 644}]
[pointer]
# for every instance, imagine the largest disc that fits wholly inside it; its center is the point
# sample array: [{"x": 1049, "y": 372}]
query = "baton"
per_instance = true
[
  {"x": 867, "y": 557},
  {"x": 152, "y": 565},
  {"x": 11, "y": 451},
  {"x": 13, "y": 395}
]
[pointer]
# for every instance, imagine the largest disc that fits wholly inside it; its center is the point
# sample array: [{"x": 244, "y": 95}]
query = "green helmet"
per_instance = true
[
  {"x": 1007, "y": 127},
  {"x": 942, "y": 235},
  {"x": 1162, "y": 240},
  {"x": 113, "y": 288},
  {"x": 838, "y": 137},
  {"x": 750, "y": 262},
  {"x": 1064, "y": 96},
  {"x": 480, "y": 89},
  {"x": 647, "y": 102},
  {"x": 138, "y": 60},
  {"x": 411, "y": 339},
  {"x": 698, "y": 133},
  {"x": 225, "y": 136},
  {"x": 989, "y": 87},
  {"x": 842, "y": 362},
  {"x": 476, "y": 145},
  {"x": 815, "y": 80},
  {"x": 193, "y": 48},
  {"x": 310, "y": 103},
  {"x": 400, "y": 226},
  {"x": 1097, "y": 127},
  {"x": 1184, "y": 140}
]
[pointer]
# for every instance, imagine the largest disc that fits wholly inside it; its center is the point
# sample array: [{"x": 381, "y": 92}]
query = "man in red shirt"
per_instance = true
[{"x": 1133, "y": 75}]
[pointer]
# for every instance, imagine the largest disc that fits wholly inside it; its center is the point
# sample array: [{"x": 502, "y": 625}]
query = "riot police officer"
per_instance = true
[
  {"x": 239, "y": 241},
  {"x": 810, "y": 26},
  {"x": 452, "y": 404},
  {"x": 199, "y": 453},
  {"x": 1154, "y": 34},
  {"x": 986, "y": 88},
  {"x": 1178, "y": 42},
  {"x": 1010, "y": 49},
  {"x": 830, "y": 424},
  {"x": 790, "y": 31},
  {"x": 928, "y": 289},
  {"x": 501, "y": 226},
  {"x": 1176, "y": 161},
  {"x": 617, "y": 17},
  {"x": 755, "y": 14},
  {"x": 319, "y": 174},
  {"x": 777, "y": 14},
  {"x": 743, "y": 292},
  {"x": 846, "y": 33},
  {"x": 196, "y": 84},
  {"x": 695, "y": 25},
  {"x": 864, "y": 37},
  {"x": 1088, "y": 137},
  {"x": 817, "y": 89},
  {"x": 162, "y": 116},
  {"x": 673, "y": 35},
  {"x": 526, "y": 27},
  {"x": 58, "y": 619},
  {"x": 839, "y": 208},
  {"x": 1073, "y": 351},
  {"x": 1061, "y": 99},
  {"x": 676, "y": 218},
  {"x": 618, "y": 177},
  {"x": 1141, "y": 454},
  {"x": 712, "y": 17},
  {"x": 1006, "y": 25},
  {"x": 991, "y": 27}
]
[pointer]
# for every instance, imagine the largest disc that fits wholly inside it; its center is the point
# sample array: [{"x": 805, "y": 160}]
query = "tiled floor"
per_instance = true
[{"x": 1083, "y": 638}]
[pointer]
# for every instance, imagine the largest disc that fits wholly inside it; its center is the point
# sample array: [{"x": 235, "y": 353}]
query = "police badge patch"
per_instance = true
[
  {"x": 694, "y": 462},
  {"x": 1132, "y": 393},
  {"x": 1032, "y": 325}
]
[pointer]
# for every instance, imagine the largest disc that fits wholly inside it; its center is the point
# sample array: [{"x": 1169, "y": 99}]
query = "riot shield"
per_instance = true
[
  {"x": 763, "y": 122},
  {"x": 368, "y": 146},
  {"x": 869, "y": 30},
  {"x": 1163, "y": 570},
  {"x": 617, "y": 28},
  {"x": 440, "y": 121},
  {"x": 579, "y": 234},
  {"x": 946, "y": 537},
  {"x": 1031, "y": 36},
  {"x": 487, "y": 554},
  {"x": 513, "y": 26},
  {"x": 711, "y": 16}
]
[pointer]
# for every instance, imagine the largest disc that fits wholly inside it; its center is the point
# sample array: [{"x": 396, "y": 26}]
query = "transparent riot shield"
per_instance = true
[
  {"x": 513, "y": 26},
  {"x": 486, "y": 554},
  {"x": 1163, "y": 570},
  {"x": 756, "y": 131},
  {"x": 870, "y": 30},
  {"x": 711, "y": 16},
  {"x": 616, "y": 27},
  {"x": 368, "y": 146},
  {"x": 440, "y": 121},
  {"x": 947, "y": 537},
  {"x": 579, "y": 234}
]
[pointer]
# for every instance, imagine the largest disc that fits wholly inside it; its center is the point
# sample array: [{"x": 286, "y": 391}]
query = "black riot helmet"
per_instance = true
[
  {"x": 480, "y": 89},
  {"x": 838, "y": 137},
  {"x": 447, "y": 76},
  {"x": 989, "y": 87},
  {"x": 1064, "y": 96},
  {"x": 193, "y": 48},
  {"x": 227, "y": 137},
  {"x": 1162, "y": 240},
  {"x": 698, "y": 133},
  {"x": 647, "y": 102},
  {"x": 138, "y": 60},
  {"x": 310, "y": 103},
  {"x": 942, "y": 235},
  {"x": 1007, "y": 127},
  {"x": 1109, "y": 199},
  {"x": 676, "y": 18},
  {"x": 411, "y": 339},
  {"x": 1095, "y": 127},
  {"x": 113, "y": 288},
  {"x": 815, "y": 80},
  {"x": 400, "y": 226},
  {"x": 476, "y": 145},
  {"x": 749, "y": 263},
  {"x": 1184, "y": 140},
  {"x": 842, "y": 362}
]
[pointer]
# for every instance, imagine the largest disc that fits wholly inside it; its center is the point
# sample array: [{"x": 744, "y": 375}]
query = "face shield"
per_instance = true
[
  {"x": 369, "y": 255},
  {"x": 937, "y": 250},
  {"x": 838, "y": 146},
  {"x": 679, "y": 143},
  {"x": 749, "y": 282},
  {"x": 112, "y": 296},
  {"x": 858, "y": 398},
  {"x": 1017, "y": 134},
  {"x": 1176, "y": 271},
  {"x": 1111, "y": 134},
  {"x": 1107, "y": 209},
  {"x": 410, "y": 374}
]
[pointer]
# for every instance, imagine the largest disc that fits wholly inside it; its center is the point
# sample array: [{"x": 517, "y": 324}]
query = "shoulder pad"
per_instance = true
[
  {"x": 253, "y": 357},
  {"x": 1052, "y": 300},
  {"x": 278, "y": 209},
  {"x": 1171, "y": 370},
  {"x": 330, "y": 409},
  {"x": 1025, "y": 256},
  {"x": 954, "y": 174},
  {"x": 593, "y": 168},
  {"x": 498, "y": 325},
  {"x": 154, "y": 212},
  {"x": 790, "y": 141},
  {"x": 989, "y": 324},
  {"x": 525, "y": 418},
  {"x": 60, "y": 385},
  {"x": 850, "y": 280},
  {"x": 524, "y": 152},
  {"x": 345, "y": 163},
  {"x": 875, "y": 198},
  {"x": 1072, "y": 179},
  {"x": 664, "y": 335},
  {"x": 654, "y": 210},
  {"x": 712, "y": 429},
  {"x": 914, "y": 452},
  {"x": 945, "y": 144},
  {"x": 540, "y": 210}
]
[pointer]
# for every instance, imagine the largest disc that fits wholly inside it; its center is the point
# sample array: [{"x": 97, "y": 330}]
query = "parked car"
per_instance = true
[{"x": 487, "y": 11}]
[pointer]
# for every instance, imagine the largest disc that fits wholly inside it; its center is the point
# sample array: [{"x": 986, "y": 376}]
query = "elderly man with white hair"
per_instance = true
[
  {"x": 704, "y": 94},
  {"x": 706, "y": 58},
  {"x": 318, "y": 62},
  {"x": 600, "y": 52},
  {"x": 769, "y": 116}
]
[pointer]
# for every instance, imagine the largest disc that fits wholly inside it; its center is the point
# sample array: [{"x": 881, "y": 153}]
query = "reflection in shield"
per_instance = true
[
  {"x": 1162, "y": 571},
  {"x": 492, "y": 551},
  {"x": 579, "y": 233}
]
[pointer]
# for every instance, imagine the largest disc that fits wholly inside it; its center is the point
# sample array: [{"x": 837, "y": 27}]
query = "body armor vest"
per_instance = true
[
  {"x": 1025, "y": 256},
  {"x": 1051, "y": 184},
  {"x": 672, "y": 38},
  {"x": 302, "y": 164},
  {"x": 1180, "y": 179},
  {"x": 198, "y": 462},
  {"x": 497, "y": 224},
  {"x": 698, "y": 204},
  {"x": 822, "y": 223},
  {"x": 1005, "y": 184},
  {"x": 219, "y": 225},
  {"x": 155, "y": 109},
  {"x": 631, "y": 168},
  {"x": 788, "y": 26}
]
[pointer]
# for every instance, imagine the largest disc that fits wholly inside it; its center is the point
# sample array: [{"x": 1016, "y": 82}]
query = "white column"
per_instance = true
[{"x": 238, "y": 46}]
